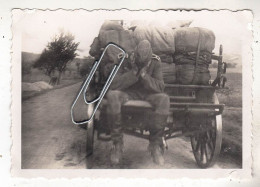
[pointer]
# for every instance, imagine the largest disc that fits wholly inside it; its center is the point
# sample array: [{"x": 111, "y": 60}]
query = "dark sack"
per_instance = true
[
  {"x": 142, "y": 33},
  {"x": 123, "y": 39},
  {"x": 169, "y": 73},
  {"x": 166, "y": 58},
  {"x": 111, "y": 25},
  {"x": 190, "y": 58},
  {"x": 106, "y": 37},
  {"x": 162, "y": 40},
  {"x": 187, "y": 38},
  {"x": 110, "y": 36},
  {"x": 185, "y": 74},
  {"x": 95, "y": 48},
  {"x": 109, "y": 33},
  {"x": 126, "y": 41}
]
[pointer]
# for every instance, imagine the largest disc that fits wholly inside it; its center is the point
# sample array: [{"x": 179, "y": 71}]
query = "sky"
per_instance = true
[{"x": 38, "y": 27}]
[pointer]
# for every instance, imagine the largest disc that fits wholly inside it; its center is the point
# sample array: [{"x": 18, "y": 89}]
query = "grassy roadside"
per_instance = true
[
  {"x": 232, "y": 115},
  {"x": 64, "y": 83},
  {"x": 232, "y": 134}
]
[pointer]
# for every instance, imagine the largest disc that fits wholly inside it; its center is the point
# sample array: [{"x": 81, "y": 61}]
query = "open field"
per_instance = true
[
  {"x": 64, "y": 83},
  {"x": 232, "y": 96},
  {"x": 34, "y": 75},
  {"x": 232, "y": 115}
]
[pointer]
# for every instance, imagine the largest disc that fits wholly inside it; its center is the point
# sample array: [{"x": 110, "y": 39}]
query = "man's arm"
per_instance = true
[
  {"x": 123, "y": 79},
  {"x": 155, "y": 81}
]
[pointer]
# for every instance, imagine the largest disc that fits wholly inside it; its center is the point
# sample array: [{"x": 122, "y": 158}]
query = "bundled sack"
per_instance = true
[
  {"x": 166, "y": 58},
  {"x": 136, "y": 23},
  {"x": 127, "y": 41},
  {"x": 162, "y": 40},
  {"x": 106, "y": 37},
  {"x": 185, "y": 68},
  {"x": 142, "y": 33},
  {"x": 185, "y": 74},
  {"x": 123, "y": 39},
  {"x": 187, "y": 39},
  {"x": 110, "y": 36},
  {"x": 190, "y": 58},
  {"x": 111, "y": 25},
  {"x": 169, "y": 73}
]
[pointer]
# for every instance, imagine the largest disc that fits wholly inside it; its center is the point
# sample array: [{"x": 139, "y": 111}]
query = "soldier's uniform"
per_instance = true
[{"x": 127, "y": 85}]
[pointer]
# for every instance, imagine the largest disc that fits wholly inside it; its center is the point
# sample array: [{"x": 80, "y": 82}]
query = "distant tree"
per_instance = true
[
  {"x": 78, "y": 66},
  {"x": 86, "y": 66},
  {"x": 61, "y": 50},
  {"x": 45, "y": 62},
  {"x": 26, "y": 68},
  {"x": 214, "y": 65},
  {"x": 231, "y": 65}
]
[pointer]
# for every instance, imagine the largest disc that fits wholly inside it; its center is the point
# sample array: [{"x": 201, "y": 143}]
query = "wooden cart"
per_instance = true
[{"x": 195, "y": 112}]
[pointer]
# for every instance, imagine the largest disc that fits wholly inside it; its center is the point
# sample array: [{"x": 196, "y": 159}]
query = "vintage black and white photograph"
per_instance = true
[{"x": 132, "y": 89}]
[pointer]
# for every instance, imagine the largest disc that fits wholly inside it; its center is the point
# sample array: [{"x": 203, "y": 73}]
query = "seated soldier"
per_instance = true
[{"x": 142, "y": 81}]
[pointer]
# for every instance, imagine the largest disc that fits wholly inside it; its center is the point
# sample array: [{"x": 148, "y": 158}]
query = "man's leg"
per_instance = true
[
  {"x": 158, "y": 119},
  {"x": 115, "y": 100}
]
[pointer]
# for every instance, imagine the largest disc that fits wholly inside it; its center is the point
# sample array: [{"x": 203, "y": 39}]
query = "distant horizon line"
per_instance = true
[
  {"x": 40, "y": 54},
  {"x": 91, "y": 56}
]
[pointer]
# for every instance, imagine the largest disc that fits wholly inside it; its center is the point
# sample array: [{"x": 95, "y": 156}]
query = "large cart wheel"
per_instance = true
[
  {"x": 90, "y": 132},
  {"x": 90, "y": 139},
  {"x": 207, "y": 145}
]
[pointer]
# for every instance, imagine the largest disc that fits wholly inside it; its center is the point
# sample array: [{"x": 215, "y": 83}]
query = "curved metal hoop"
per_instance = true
[{"x": 105, "y": 88}]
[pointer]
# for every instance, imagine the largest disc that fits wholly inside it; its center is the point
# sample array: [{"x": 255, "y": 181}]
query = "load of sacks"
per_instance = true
[
  {"x": 111, "y": 32},
  {"x": 176, "y": 44}
]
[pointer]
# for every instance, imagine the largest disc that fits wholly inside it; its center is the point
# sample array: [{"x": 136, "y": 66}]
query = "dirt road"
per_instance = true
[{"x": 50, "y": 140}]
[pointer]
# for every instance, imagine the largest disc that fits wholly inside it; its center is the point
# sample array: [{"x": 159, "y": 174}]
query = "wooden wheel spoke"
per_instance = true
[
  {"x": 213, "y": 141},
  {"x": 206, "y": 149},
  {"x": 197, "y": 145},
  {"x": 206, "y": 152},
  {"x": 210, "y": 142},
  {"x": 201, "y": 153},
  {"x": 207, "y": 145}
]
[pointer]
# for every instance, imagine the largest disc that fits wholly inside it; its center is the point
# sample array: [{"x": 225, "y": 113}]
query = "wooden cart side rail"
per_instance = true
[
  {"x": 175, "y": 106},
  {"x": 189, "y": 86},
  {"x": 207, "y": 105},
  {"x": 183, "y": 98},
  {"x": 216, "y": 57},
  {"x": 199, "y": 108}
]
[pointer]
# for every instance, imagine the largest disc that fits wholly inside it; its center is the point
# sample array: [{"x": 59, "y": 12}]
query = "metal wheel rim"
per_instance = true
[{"x": 217, "y": 123}]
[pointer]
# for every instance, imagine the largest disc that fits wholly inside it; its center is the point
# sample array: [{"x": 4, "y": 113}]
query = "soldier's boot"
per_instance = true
[
  {"x": 156, "y": 146},
  {"x": 116, "y": 153},
  {"x": 117, "y": 139}
]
